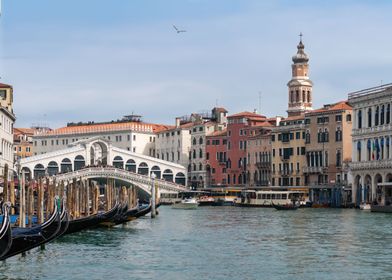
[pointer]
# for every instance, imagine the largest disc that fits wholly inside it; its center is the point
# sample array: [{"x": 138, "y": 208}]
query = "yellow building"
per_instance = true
[
  {"x": 23, "y": 142},
  {"x": 288, "y": 152}
]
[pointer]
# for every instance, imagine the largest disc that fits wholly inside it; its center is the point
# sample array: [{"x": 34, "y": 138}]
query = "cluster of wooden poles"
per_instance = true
[{"x": 82, "y": 196}]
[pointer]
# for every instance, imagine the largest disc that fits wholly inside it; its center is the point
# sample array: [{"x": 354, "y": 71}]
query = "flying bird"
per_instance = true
[{"x": 178, "y": 30}]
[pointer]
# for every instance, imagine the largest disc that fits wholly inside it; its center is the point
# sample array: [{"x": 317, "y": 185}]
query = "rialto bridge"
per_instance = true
[{"x": 97, "y": 159}]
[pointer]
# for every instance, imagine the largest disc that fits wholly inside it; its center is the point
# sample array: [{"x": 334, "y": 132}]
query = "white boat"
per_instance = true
[
  {"x": 187, "y": 203},
  {"x": 365, "y": 206},
  {"x": 268, "y": 198}
]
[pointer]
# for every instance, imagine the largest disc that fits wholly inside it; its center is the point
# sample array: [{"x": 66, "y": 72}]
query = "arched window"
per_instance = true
[
  {"x": 338, "y": 135},
  {"x": 319, "y": 136},
  {"x": 348, "y": 118},
  {"x": 194, "y": 141},
  {"x": 369, "y": 149},
  {"x": 194, "y": 153},
  {"x": 53, "y": 168},
  {"x": 370, "y": 117},
  {"x": 200, "y": 153},
  {"x": 303, "y": 96},
  {"x": 307, "y": 137},
  {"x": 377, "y": 116},
  {"x": 118, "y": 162},
  {"x": 338, "y": 158},
  {"x": 382, "y": 116},
  {"x": 200, "y": 167},
  {"x": 388, "y": 117},
  {"x": 309, "y": 97},
  {"x": 130, "y": 165},
  {"x": 157, "y": 171},
  {"x": 296, "y": 100},
  {"x": 326, "y": 135},
  {"x": 201, "y": 140},
  {"x": 194, "y": 167}
]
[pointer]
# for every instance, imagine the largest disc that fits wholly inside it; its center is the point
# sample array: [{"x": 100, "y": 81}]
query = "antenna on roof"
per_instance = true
[{"x": 259, "y": 102}]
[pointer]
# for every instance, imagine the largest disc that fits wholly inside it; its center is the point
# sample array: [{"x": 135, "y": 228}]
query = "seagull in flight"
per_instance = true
[{"x": 178, "y": 30}]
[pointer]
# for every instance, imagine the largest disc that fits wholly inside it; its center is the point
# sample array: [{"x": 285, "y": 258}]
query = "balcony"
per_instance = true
[
  {"x": 285, "y": 172},
  {"x": 368, "y": 165},
  {"x": 371, "y": 130},
  {"x": 263, "y": 164},
  {"x": 314, "y": 169}
]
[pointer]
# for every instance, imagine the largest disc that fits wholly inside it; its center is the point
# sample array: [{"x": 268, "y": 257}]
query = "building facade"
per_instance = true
[
  {"x": 288, "y": 152},
  {"x": 174, "y": 144},
  {"x": 328, "y": 145},
  {"x": 130, "y": 134},
  {"x": 238, "y": 129},
  {"x": 371, "y": 145},
  {"x": 216, "y": 157},
  {"x": 202, "y": 127},
  {"x": 7, "y": 120},
  {"x": 259, "y": 156}
]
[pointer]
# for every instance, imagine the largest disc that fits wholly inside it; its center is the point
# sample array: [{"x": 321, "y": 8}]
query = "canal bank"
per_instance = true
[{"x": 221, "y": 243}]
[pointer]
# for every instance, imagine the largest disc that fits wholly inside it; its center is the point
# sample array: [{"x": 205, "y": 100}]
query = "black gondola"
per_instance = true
[
  {"x": 24, "y": 239},
  {"x": 119, "y": 218},
  {"x": 285, "y": 207},
  {"x": 5, "y": 231},
  {"x": 92, "y": 221},
  {"x": 143, "y": 210}
]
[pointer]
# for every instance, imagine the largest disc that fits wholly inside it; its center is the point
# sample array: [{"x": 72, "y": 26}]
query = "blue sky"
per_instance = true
[{"x": 99, "y": 60}]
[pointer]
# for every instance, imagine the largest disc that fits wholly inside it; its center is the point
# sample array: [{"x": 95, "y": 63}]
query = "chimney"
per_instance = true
[{"x": 178, "y": 122}]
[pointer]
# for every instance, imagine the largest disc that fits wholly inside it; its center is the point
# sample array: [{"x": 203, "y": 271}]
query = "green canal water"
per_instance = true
[{"x": 221, "y": 243}]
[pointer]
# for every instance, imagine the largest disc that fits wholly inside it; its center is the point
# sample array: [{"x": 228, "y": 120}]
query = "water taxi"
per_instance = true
[
  {"x": 187, "y": 203},
  {"x": 268, "y": 198}
]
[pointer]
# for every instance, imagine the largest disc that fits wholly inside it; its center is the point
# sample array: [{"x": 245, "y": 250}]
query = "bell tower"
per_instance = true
[{"x": 300, "y": 86}]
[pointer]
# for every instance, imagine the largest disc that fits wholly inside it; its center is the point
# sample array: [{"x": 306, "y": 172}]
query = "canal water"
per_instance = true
[{"x": 221, "y": 243}]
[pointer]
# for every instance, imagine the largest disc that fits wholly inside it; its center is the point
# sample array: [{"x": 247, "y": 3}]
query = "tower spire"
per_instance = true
[{"x": 300, "y": 86}]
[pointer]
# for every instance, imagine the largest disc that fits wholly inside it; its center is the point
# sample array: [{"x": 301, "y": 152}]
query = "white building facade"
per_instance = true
[
  {"x": 136, "y": 137},
  {"x": 7, "y": 120},
  {"x": 371, "y": 150}
]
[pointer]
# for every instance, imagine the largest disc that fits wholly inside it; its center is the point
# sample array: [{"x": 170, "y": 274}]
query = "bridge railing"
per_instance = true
[{"x": 123, "y": 173}]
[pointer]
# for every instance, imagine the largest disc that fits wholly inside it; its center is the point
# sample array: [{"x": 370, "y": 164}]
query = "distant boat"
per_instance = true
[
  {"x": 365, "y": 206},
  {"x": 187, "y": 203},
  {"x": 206, "y": 200},
  {"x": 285, "y": 206}
]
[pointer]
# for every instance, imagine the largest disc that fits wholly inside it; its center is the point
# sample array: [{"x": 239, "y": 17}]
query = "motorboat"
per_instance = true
[
  {"x": 291, "y": 206},
  {"x": 206, "y": 200},
  {"x": 187, "y": 203},
  {"x": 365, "y": 206}
]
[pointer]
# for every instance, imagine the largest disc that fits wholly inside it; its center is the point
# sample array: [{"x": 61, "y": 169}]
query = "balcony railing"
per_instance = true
[
  {"x": 285, "y": 172},
  {"x": 366, "y": 165},
  {"x": 313, "y": 169},
  {"x": 263, "y": 164},
  {"x": 370, "y": 130}
]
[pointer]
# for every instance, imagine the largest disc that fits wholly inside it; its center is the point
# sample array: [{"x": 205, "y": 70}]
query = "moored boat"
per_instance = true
[
  {"x": 291, "y": 206},
  {"x": 5, "y": 231},
  {"x": 268, "y": 198},
  {"x": 92, "y": 220},
  {"x": 206, "y": 200},
  {"x": 24, "y": 239},
  {"x": 187, "y": 203}
]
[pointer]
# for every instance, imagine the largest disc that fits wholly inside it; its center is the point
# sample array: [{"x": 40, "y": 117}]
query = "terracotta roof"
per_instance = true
[
  {"x": 92, "y": 128},
  {"x": 18, "y": 131},
  {"x": 293, "y": 118},
  {"x": 218, "y": 133},
  {"x": 342, "y": 105},
  {"x": 5, "y": 86},
  {"x": 172, "y": 127},
  {"x": 246, "y": 114}
]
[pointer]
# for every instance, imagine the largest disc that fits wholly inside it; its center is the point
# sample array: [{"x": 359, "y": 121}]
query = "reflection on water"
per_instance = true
[{"x": 221, "y": 243}]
